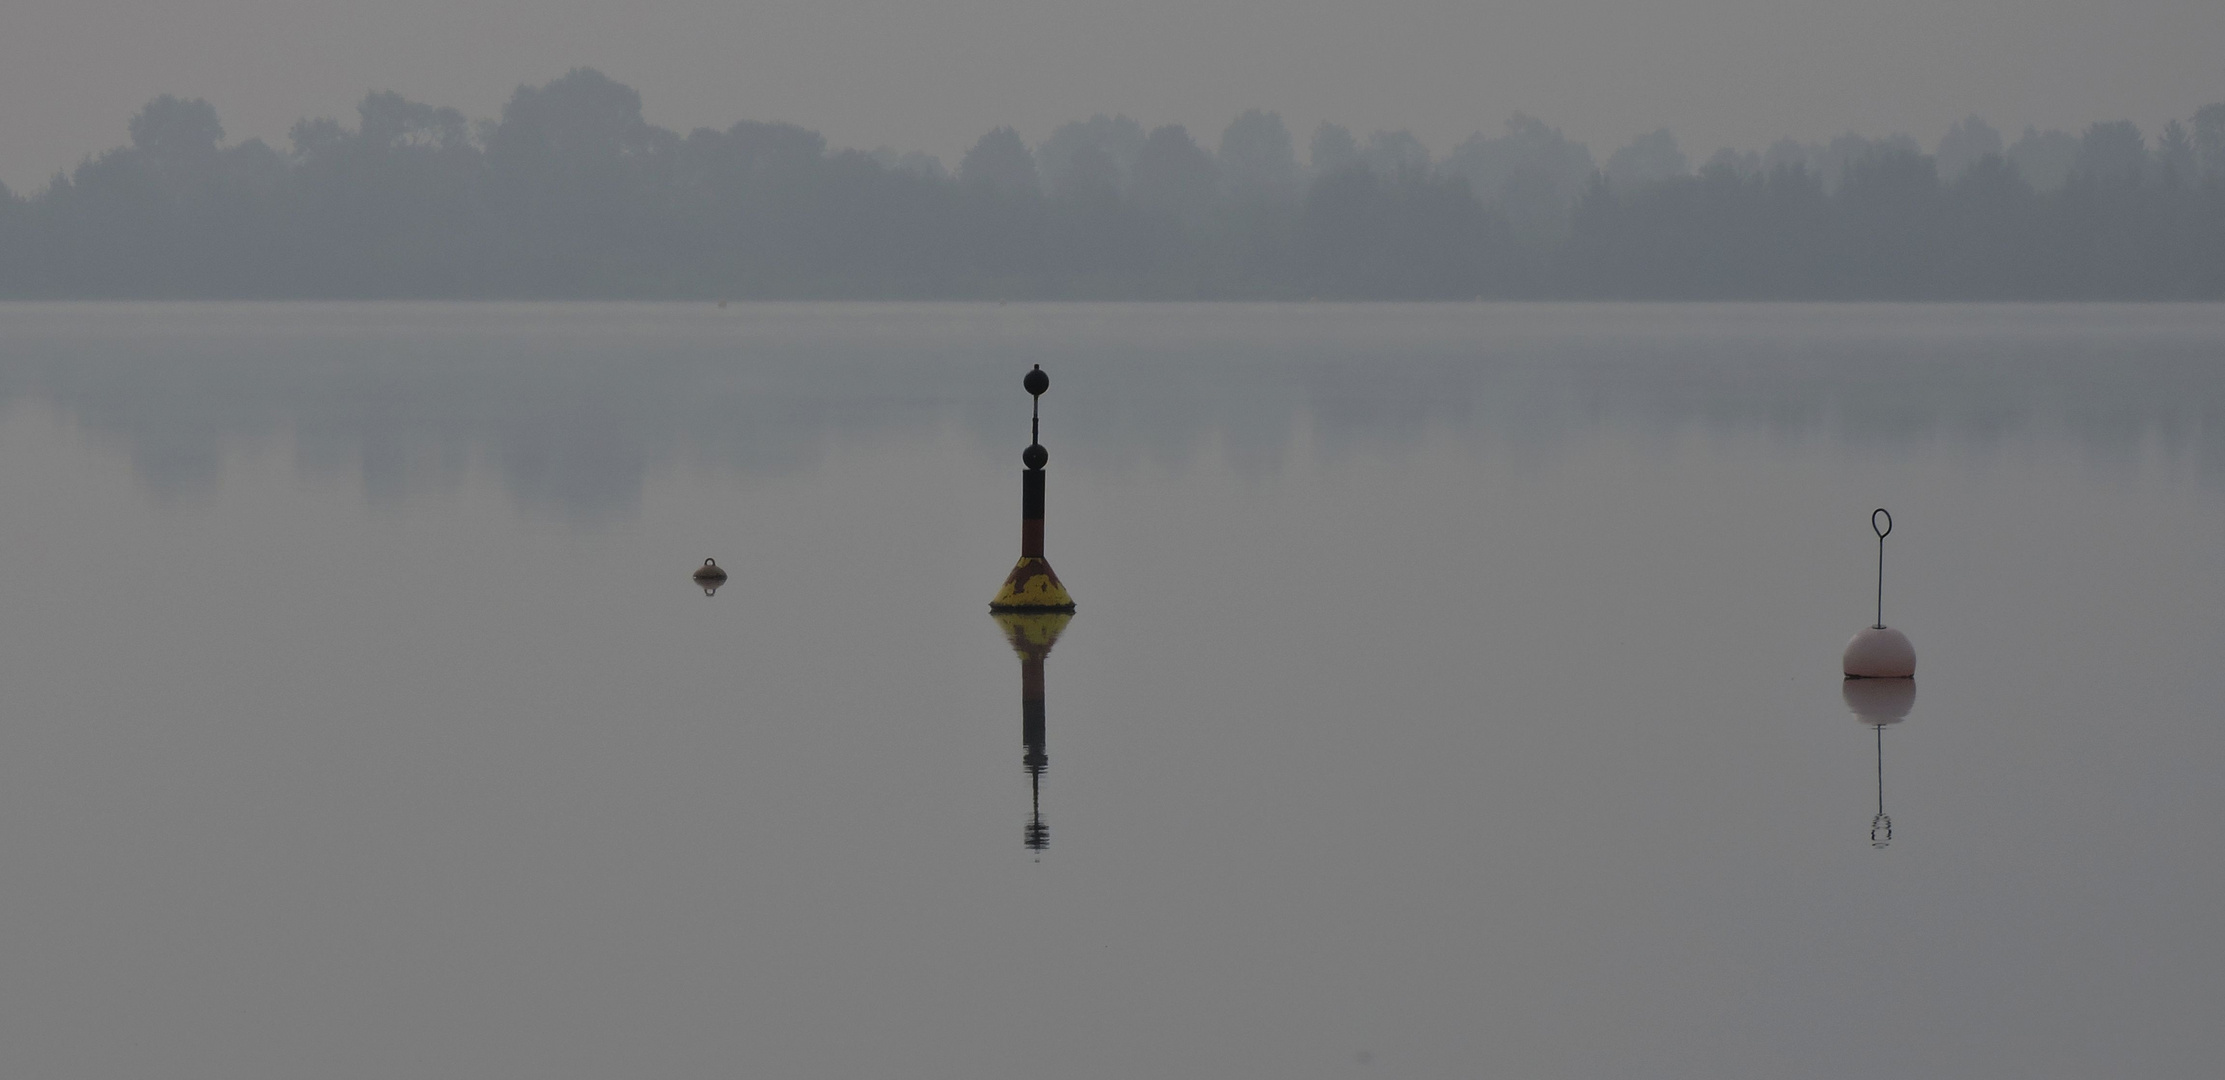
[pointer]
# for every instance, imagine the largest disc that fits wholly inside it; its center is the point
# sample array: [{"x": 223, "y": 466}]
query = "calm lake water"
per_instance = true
[{"x": 1454, "y": 692}]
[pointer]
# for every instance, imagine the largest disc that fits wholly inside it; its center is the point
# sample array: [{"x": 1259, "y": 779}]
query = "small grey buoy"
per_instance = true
[{"x": 709, "y": 571}]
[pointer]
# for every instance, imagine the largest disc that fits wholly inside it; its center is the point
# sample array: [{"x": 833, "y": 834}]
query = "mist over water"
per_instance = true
[{"x": 1453, "y": 690}]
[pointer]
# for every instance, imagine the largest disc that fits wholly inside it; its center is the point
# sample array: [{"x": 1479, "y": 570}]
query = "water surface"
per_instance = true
[{"x": 1454, "y": 692}]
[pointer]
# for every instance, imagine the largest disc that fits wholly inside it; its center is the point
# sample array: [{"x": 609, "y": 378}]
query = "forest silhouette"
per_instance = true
[{"x": 571, "y": 193}]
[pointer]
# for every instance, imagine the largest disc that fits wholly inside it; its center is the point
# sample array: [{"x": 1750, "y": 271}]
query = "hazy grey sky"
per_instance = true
[{"x": 934, "y": 74}]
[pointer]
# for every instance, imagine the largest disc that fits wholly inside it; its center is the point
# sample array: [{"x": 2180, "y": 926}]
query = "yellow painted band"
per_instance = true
[{"x": 1033, "y": 584}]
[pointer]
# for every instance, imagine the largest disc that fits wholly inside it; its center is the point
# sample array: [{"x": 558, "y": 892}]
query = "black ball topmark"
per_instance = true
[
  {"x": 1037, "y": 382},
  {"x": 1035, "y": 456}
]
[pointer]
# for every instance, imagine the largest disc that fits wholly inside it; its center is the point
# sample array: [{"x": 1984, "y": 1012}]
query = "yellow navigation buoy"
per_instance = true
[{"x": 1033, "y": 585}]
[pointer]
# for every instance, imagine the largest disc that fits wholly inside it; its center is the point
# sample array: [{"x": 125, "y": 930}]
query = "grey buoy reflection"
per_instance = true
[
  {"x": 1879, "y": 703},
  {"x": 1031, "y": 635}
]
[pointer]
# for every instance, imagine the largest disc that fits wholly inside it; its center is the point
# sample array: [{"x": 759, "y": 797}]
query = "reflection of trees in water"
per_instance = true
[{"x": 576, "y": 407}]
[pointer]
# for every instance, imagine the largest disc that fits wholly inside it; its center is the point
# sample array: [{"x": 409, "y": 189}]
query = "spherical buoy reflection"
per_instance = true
[{"x": 1878, "y": 702}]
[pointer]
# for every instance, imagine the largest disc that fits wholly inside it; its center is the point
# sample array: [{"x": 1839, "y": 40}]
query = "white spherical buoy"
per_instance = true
[
  {"x": 1878, "y": 702},
  {"x": 1880, "y": 652}
]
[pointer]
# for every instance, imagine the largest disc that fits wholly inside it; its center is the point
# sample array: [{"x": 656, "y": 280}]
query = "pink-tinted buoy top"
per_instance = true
[{"x": 1880, "y": 652}]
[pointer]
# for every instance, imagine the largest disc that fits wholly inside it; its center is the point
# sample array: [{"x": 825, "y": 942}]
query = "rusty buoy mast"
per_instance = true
[{"x": 1033, "y": 586}]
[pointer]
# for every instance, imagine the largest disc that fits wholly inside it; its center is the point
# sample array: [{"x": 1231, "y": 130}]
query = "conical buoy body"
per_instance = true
[
  {"x": 1032, "y": 586},
  {"x": 1880, "y": 652},
  {"x": 710, "y": 571}
]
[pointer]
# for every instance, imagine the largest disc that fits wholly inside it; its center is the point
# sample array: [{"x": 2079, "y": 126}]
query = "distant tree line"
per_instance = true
[{"x": 571, "y": 193}]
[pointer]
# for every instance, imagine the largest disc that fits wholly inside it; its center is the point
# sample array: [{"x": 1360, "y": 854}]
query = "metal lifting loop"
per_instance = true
[{"x": 1881, "y": 535}]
